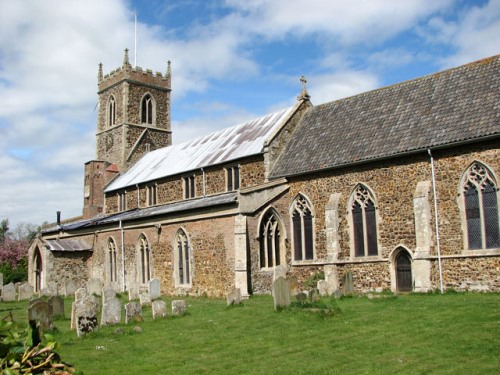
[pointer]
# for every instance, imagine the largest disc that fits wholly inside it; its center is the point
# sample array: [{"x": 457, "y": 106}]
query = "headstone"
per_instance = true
[
  {"x": 80, "y": 294},
  {"x": 57, "y": 305},
  {"x": 145, "y": 299},
  {"x": 108, "y": 293},
  {"x": 281, "y": 293},
  {"x": 301, "y": 296},
  {"x": 159, "y": 308},
  {"x": 323, "y": 288},
  {"x": 347, "y": 286},
  {"x": 154, "y": 289},
  {"x": 86, "y": 311},
  {"x": 1, "y": 281},
  {"x": 133, "y": 312},
  {"x": 279, "y": 271},
  {"x": 337, "y": 293},
  {"x": 34, "y": 300},
  {"x": 94, "y": 287},
  {"x": 25, "y": 292},
  {"x": 293, "y": 285},
  {"x": 234, "y": 297},
  {"x": 41, "y": 313},
  {"x": 178, "y": 307},
  {"x": 111, "y": 311},
  {"x": 69, "y": 288},
  {"x": 9, "y": 292},
  {"x": 313, "y": 295},
  {"x": 133, "y": 292}
]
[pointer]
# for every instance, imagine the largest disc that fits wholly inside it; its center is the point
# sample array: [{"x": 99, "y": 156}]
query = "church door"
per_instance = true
[
  {"x": 403, "y": 272},
  {"x": 37, "y": 263}
]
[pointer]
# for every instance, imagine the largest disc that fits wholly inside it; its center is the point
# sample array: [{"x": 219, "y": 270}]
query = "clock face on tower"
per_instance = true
[{"x": 108, "y": 141}]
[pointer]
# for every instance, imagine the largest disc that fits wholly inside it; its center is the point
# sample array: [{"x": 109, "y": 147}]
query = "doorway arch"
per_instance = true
[{"x": 404, "y": 278}]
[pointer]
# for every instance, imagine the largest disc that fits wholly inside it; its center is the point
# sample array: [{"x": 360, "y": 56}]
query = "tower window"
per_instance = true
[
  {"x": 147, "y": 110},
  {"x": 111, "y": 111}
]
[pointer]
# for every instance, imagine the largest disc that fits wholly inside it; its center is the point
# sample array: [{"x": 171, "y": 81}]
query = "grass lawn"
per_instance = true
[{"x": 408, "y": 334}]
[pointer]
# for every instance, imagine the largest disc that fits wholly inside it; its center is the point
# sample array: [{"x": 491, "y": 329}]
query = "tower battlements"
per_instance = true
[{"x": 136, "y": 74}]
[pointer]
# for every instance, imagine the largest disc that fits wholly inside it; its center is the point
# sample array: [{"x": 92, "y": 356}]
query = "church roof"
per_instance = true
[
  {"x": 219, "y": 147},
  {"x": 67, "y": 245},
  {"x": 446, "y": 108}
]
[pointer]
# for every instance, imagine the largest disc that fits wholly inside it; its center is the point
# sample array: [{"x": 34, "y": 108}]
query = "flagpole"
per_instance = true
[{"x": 135, "y": 40}]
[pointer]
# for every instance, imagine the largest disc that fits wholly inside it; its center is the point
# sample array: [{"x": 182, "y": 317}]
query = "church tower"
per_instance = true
[
  {"x": 133, "y": 113},
  {"x": 133, "y": 118}
]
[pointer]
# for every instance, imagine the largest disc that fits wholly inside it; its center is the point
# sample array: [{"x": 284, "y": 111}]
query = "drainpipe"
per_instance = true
[
  {"x": 436, "y": 221},
  {"x": 123, "y": 257}
]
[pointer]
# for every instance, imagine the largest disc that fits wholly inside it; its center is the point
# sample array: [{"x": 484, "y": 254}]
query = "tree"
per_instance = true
[{"x": 4, "y": 228}]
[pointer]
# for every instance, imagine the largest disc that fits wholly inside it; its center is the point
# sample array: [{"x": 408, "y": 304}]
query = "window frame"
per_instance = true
[
  {"x": 189, "y": 186},
  {"x": 122, "y": 201},
  {"x": 111, "y": 111},
  {"x": 233, "y": 177},
  {"x": 144, "y": 260},
  {"x": 268, "y": 256},
  {"x": 152, "y": 194},
  {"x": 303, "y": 240},
  {"x": 148, "y": 110},
  {"x": 112, "y": 260},
  {"x": 183, "y": 260}
]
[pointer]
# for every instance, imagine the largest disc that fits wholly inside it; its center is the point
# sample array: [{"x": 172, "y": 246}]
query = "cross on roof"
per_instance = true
[{"x": 303, "y": 94}]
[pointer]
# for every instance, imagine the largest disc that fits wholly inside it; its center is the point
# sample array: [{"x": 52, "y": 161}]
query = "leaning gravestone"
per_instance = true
[
  {"x": 154, "y": 289},
  {"x": 133, "y": 312},
  {"x": 69, "y": 288},
  {"x": 9, "y": 292},
  {"x": 347, "y": 287},
  {"x": 133, "y": 292},
  {"x": 159, "y": 308},
  {"x": 234, "y": 297},
  {"x": 281, "y": 293},
  {"x": 301, "y": 296},
  {"x": 178, "y": 307},
  {"x": 86, "y": 311},
  {"x": 25, "y": 292},
  {"x": 145, "y": 299},
  {"x": 57, "y": 305},
  {"x": 94, "y": 287},
  {"x": 40, "y": 312},
  {"x": 107, "y": 294},
  {"x": 111, "y": 311}
]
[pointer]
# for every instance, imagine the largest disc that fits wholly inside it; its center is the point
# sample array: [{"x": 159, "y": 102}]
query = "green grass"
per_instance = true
[{"x": 408, "y": 334}]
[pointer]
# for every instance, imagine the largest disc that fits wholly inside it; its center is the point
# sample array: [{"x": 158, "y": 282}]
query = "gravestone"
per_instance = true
[
  {"x": 301, "y": 296},
  {"x": 34, "y": 300},
  {"x": 145, "y": 299},
  {"x": 94, "y": 287},
  {"x": 337, "y": 293},
  {"x": 279, "y": 271},
  {"x": 281, "y": 293},
  {"x": 69, "y": 288},
  {"x": 234, "y": 297},
  {"x": 133, "y": 292},
  {"x": 86, "y": 311},
  {"x": 108, "y": 293},
  {"x": 81, "y": 294},
  {"x": 293, "y": 285},
  {"x": 154, "y": 289},
  {"x": 133, "y": 312},
  {"x": 179, "y": 307},
  {"x": 9, "y": 292},
  {"x": 25, "y": 292},
  {"x": 40, "y": 312},
  {"x": 159, "y": 309},
  {"x": 347, "y": 286},
  {"x": 57, "y": 305},
  {"x": 111, "y": 311},
  {"x": 1, "y": 280},
  {"x": 313, "y": 295},
  {"x": 323, "y": 288}
]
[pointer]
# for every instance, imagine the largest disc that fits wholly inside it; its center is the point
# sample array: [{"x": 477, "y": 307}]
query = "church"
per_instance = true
[{"x": 395, "y": 189}]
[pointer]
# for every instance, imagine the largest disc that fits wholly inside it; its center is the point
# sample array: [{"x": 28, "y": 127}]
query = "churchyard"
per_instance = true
[{"x": 453, "y": 333}]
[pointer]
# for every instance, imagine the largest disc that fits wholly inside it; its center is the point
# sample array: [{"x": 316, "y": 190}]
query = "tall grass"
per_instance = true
[{"x": 408, "y": 334}]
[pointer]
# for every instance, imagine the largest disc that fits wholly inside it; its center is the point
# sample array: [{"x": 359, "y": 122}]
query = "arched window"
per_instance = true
[
  {"x": 302, "y": 226},
  {"x": 147, "y": 109},
  {"x": 364, "y": 222},
  {"x": 270, "y": 235},
  {"x": 144, "y": 259},
  {"x": 113, "y": 274},
  {"x": 37, "y": 270},
  {"x": 182, "y": 259},
  {"x": 480, "y": 199},
  {"x": 111, "y": 111}
]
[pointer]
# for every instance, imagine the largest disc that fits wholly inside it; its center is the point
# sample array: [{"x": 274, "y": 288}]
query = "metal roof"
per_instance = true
[
  {"x": 67, "y": 245},
  {"x": 222, "y": 146}
]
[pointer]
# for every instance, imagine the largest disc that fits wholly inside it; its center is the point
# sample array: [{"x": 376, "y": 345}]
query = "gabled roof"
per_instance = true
[
  {"x": 220, "y": 147},
  {"x": 450, "y": 107}
]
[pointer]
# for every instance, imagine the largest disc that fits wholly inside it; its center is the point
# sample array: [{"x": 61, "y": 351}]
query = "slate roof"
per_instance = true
[
  {"x": 453, "y": 106},
  {"x": 220, "y": 147}
]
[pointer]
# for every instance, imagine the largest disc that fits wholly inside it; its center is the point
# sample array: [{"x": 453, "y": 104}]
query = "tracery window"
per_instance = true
[
  {"x": 147, "y": 109},
  {"x": 183, "y": 258},
  {"x": 270, "y": 240},
  {"x": 111, "y": 111},
  {"x": 302, "y": 226},
  {"x": 480, "y": 197},
  {"x": 144, "y": 259},
  {"x": 112, "y": 260},
  {"x": 364, "y": 222}
]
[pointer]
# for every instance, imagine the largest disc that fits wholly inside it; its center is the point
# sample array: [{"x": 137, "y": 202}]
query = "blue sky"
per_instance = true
[{"x": 232, "y": 60}]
